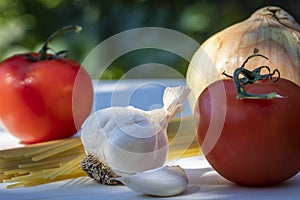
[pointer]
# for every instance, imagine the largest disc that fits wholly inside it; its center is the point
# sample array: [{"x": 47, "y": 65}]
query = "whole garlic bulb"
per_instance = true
[
  {"x": 271, "y": 30},
  {"x": 126, "y": 140}
]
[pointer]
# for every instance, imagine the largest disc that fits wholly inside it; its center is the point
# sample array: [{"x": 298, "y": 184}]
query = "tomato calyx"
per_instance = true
[
  {"x": 43, "y": 51},
  {"x": 250, "y": 77}
]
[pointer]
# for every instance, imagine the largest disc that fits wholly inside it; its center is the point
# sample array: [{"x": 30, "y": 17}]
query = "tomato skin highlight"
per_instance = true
[
  {"x": 37, "y": 97},
  {"x": 259, "y": 141}
]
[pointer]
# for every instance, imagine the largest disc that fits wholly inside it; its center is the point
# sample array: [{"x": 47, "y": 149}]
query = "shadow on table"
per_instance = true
[{"x": 205, "y": 183}]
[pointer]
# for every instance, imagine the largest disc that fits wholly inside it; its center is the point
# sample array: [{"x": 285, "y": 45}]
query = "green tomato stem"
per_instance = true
[
  {"x": 250, "y": 77},
  {"x": 242, "y": 94},
  {"x": 44, "y": 49}
]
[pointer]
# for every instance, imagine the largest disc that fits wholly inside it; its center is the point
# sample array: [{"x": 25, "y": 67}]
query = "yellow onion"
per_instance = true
[{"x": 271, "y": 30}]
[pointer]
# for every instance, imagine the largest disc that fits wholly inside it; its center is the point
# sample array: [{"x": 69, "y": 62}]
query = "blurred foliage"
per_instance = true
[{"x": 25, "y": 24}]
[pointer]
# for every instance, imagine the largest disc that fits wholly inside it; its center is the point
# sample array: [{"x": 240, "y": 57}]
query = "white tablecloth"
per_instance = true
[{"x": 204, "y": 182}]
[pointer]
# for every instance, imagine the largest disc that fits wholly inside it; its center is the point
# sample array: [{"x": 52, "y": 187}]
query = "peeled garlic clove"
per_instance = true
[
  {"x": 164, "y": 181},
  {"x": 271, "y": 30}
]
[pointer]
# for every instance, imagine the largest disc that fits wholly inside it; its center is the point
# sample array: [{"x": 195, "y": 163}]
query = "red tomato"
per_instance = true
[
  {"x": 43, "y": 99},
  {"x": 254, "y": 142}
]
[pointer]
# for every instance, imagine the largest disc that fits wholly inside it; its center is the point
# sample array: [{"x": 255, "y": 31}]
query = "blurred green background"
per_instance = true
[{"x": 25, "y": 24}]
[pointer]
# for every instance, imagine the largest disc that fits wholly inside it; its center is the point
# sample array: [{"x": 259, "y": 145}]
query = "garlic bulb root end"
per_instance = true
[{"x": 98, "y": 171}]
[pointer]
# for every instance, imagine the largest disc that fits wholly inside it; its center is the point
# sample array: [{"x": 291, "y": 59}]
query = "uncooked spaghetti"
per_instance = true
[{"x": 60, "y": 159}]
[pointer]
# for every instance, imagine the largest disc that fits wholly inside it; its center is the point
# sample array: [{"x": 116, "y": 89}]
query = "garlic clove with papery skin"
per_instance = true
[
  {"x": 164, "y": 181},
  {"x": 126, "y": 140}
]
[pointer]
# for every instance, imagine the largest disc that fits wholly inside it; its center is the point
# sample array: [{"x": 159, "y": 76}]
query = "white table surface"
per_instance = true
[{"x": 204, "y": 182}]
